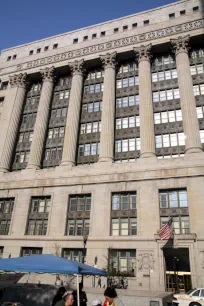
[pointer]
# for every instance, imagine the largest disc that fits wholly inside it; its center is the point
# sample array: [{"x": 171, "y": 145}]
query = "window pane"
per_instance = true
[
  {"x": 125, "y": 145},
  {"x": 173, "y": 199},
  {"x": 115, "y": 202},
  {"x": 163, "y": 200},
  {"x": 183, "y": 198},
  {"x": 124, "y": 202},
  {"x": 124, "y": 227},
  {"x": 133, "y": 199},
  {"x": 115, "y": 227}
]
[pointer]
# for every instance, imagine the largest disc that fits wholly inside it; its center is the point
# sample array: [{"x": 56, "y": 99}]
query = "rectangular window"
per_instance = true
[
  {"x": 173, "y": 198},
  {"x": 74, "y": 254},
  {"x": 31, "y": 251},
  {"x": 122, "y": 262},
  {"x": 124, "y": 201},
  {"x": 78, "y": 227}
]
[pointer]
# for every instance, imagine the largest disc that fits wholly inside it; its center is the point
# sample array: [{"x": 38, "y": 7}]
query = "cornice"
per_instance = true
[{"x": 114, "y": 44}]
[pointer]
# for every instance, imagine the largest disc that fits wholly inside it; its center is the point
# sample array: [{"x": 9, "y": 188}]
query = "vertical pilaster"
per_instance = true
[
  {"x": 108, "y": 112},
  {"x": 72, "y": 124},
  {"x": 187, "y": 99},
  {"x": 41, "y": 123},
  {"x": 14, "y": 100},
  {"x": 147, "y": 137}
]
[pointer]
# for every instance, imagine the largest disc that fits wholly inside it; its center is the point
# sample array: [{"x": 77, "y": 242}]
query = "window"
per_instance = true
[
  {"x": 55, "y": 46},
  {"x": 125, "y": 28},
  {"x": 80, "y": 203},
  {"x": 75, "y": 254},
  {"x": 127, "y": 145},
  {"x": 172, "y": 16},
  {"x": 173, "y": 198},
  {"x": 181, "y": 224},
  {"x": 146, "y": 22},
  {"x": 14, "y": 56},
  {"x": 38, "y": 50},
  {"x": 103, "y": 34},
  {"x": 124, "y": 226},
  {"x": 124, "y": 201},
  {"x": 127, "y": 101},
  {"x": 169, "y": 116},
  {"x": 1, "y": 252},
  {"x": 127, "y": 82},
  {"x": 202, "y": 136},
  {"x": 94, "y": 88},
  {"x": 46, "y": 48},
  {"x": 85, "y": 38},
  {"x": 8, "y": 58},
  {"x": 170, "y": 140},
  {"x": 1, "y": 101},
  {"x": 198, "y": 90},
  {"x": 195, "y": 9},
  {"x": 6, "y": 209},
  {"x": 122, "y": 262},
  {"x": 165, "y": 95},
  {"x": 31, "y": 52},
  {"x": 164, "y": 75},
  {"x": 130, "y": 122},
  {"x": 89, "y": 149},
  {"x": 31, "y": 251},
  {"x": 94, "y": 36},
  {"x": 78, "y": 227},
  {"x": 38, "y": 216},
  {"x": 134, "y": 25},
  {"x": 183, "y": 12},
  {"x": 75, "y": 40},
  {"x": 116, "y": 30}
]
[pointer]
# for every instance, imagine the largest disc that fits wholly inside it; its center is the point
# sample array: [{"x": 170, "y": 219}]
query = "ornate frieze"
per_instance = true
[
  {"x": 108, "y": 60},
  {"x": 143, "y": 53},
  {"x": 132, "y": 40},
  {"x": 145, "y": 260},
  {"x": 77, "y": 67},
  {"x": 48, "y": 74},
  {"x": 181, "y": 44},
  {"x": 18, "y": 80}
]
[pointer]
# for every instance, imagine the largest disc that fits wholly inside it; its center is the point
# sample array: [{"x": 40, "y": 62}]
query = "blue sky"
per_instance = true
[{"x": 23, "y": 21}]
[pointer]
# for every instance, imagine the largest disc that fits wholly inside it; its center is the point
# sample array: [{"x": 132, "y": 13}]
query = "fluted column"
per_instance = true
[
  {"x": 41, "y": 123},
  {"x": 187, "y": 99},
  {"x": 108, "y": 112},
  {"x": 72, "y": 124},
  {"x": 147, "y": 137},
  {"x": 15, "y": 100}
]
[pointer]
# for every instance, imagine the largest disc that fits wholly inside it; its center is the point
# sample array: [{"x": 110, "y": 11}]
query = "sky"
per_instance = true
[{"x": 23, "y": 21}]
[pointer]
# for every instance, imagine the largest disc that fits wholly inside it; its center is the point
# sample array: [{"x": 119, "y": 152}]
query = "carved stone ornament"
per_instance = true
[
  {"x": 181, "y": 44},
  {"x": 145, "y": 260},
  {"x": 18, "y": 80},
  {"x": 143, "y": 52},
  {"x": 109, "y": 60},
  {"x": 47, "y": 73},
  {"x": 77, "y": 67}
]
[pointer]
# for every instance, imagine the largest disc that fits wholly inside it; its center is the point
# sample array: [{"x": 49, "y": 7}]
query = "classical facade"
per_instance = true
[{"x": 101, "y": 136}]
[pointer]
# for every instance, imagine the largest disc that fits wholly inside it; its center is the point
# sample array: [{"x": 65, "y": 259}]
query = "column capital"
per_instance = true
[
  {"x": 143, "y": 53},
  {"x": 47, "y": 74},
  {"x": 181, "y": 44},
  {"x": 77, "y": 67},
  {"x": 18, "y": 80},
  {"x": 109, "y": 60}
]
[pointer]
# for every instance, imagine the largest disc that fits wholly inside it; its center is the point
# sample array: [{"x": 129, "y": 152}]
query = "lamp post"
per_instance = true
[{"x": 85, "y": 238}]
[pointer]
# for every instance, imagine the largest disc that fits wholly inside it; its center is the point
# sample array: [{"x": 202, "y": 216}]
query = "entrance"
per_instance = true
[{"x": 177, "y": 269}]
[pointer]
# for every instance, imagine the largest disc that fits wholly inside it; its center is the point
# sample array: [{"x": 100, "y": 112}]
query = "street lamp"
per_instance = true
[{"x": 85, "y": 238}]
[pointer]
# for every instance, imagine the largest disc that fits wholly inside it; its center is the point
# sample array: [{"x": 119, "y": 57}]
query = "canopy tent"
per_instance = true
[{"x": 48, "y": 263}]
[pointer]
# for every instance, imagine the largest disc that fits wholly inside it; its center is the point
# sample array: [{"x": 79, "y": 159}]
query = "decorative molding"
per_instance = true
[
  {"x": 77, "y": 67},
  {"x": 109, "y": 60},
  {"x": 181, "y": 44},
  {"x": 48, "y": 74},
  {"x": 143, "y": 53},
  {"x": 18, "y": 80},
  {"x": 145, "y": 260},
  {"x": 128, "y": 41}
]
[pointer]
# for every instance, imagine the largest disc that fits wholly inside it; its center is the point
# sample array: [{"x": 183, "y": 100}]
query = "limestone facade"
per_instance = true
[{"x": 114, "y": 118}]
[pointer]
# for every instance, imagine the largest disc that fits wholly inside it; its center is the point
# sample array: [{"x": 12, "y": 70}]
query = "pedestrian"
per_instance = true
[
  {"x": 58, "y": 296},
  {"x": 63, "y": 299},
  {"x": 82, "y": 296},
  {"x": 111, "y": 298},
  {"x": 99, "y": 282},
  {"x": 96, "y": 302},
  {"x": 69, "y": 299}
]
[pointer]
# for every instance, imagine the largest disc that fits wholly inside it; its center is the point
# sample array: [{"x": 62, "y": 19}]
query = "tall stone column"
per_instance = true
[
  {"x": 147, "y": 137},
  {"x": 14, "y": 100},
  {"x": 187, "y": 99},
  {"x": 41, "y": 123},
  {"x": 72, "y": 124},
  {"x": 108, "y": 112}
]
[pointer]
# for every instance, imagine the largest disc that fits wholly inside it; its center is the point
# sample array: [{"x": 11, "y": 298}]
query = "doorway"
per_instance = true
[{"x": 177, "y": 270}]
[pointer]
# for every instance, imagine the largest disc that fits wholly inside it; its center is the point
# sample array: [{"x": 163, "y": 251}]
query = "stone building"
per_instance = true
[{"x": 102, "y": 135}]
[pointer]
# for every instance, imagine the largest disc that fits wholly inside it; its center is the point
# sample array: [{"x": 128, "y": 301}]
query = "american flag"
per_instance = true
[{"x": 165, "y": 231}]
